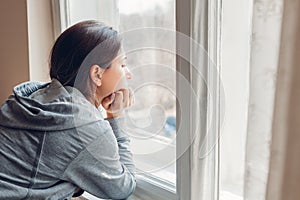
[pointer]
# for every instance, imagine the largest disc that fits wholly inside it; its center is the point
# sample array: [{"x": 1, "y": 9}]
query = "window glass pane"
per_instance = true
[{"x": 148, "y": 29}]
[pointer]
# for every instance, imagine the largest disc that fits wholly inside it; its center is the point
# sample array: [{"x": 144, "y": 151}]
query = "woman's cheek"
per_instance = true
[
  {"x": 119, "y": 83},
  {"x": 114, "y": 82}
]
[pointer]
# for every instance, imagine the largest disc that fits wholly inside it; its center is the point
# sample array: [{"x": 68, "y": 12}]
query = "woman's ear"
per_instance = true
[{"x": 96, "y": 73}]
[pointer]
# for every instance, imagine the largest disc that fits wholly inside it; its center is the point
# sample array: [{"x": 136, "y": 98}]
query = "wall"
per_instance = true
[
  {"x": 26, "y": 40},
  {"x": 41, "y": 38},
  {"x": 14, "y": 60}
]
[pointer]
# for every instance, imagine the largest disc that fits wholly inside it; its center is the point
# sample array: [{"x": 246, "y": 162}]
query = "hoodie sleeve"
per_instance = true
[
  {"x": 126, "y": 157},
  {"x": 105, "y": 167}
]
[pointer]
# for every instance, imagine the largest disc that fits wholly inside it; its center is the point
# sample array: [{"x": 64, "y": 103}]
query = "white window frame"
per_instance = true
[
  {"x": 149, "y": 187},
  {"x": 213, "y": 30}
]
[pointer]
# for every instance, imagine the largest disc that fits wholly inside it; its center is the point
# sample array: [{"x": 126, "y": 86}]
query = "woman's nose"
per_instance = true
[{"x": 128, "y": 73}]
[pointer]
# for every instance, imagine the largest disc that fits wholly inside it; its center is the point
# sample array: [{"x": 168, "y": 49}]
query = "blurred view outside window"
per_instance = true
[{"x": 149, "y": 24}]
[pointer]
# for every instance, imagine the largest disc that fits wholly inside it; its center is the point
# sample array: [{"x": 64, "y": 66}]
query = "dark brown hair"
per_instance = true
[{"x": 81, "y": 46}]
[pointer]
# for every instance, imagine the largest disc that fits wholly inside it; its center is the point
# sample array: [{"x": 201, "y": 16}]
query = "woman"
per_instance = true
[{"x": 54, "y": 143}]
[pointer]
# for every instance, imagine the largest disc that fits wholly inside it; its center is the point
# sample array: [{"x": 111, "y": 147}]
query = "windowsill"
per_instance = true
[{"x": 148, "y": 188}]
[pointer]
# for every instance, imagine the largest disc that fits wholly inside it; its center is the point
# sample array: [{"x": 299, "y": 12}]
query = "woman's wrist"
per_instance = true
[{"x": 114, "y": 115}]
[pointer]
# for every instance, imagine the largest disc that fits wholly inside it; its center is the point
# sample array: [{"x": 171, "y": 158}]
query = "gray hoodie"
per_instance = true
[{"x": 53, "y": 141}]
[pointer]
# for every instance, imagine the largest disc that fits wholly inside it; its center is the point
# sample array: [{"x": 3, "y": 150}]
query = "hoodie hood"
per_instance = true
[{"x": 47, "y": 107}]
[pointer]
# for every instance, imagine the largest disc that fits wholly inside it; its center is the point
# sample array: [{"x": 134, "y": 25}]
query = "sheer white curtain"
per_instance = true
[
  {"x": 265, "y": 44},
  {"x": 205, "y": 113},
  {"x": 272, "y": 171}
]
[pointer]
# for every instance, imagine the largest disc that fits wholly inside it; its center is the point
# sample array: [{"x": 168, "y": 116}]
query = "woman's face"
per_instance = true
[{"x": 114, "y": 77}]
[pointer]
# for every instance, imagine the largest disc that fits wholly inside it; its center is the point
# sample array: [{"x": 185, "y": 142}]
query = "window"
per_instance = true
[{"x": 151, "y": 35}]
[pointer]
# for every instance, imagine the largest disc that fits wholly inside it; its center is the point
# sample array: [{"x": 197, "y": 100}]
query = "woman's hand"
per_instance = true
[{"x": 115, "y": 103}]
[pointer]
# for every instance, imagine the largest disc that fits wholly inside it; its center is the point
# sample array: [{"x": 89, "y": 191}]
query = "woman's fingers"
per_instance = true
[
  {"x": 126, "y": 99},
  {"x": 117, "y": 105},
  {"x": 107, "y": 101},
  {"x": 118, "y": 101}
]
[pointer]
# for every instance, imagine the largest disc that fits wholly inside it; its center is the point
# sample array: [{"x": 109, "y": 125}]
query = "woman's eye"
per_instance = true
[{"x": 124, "y": 65}]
